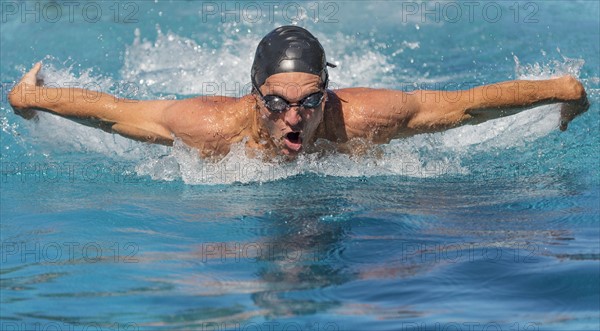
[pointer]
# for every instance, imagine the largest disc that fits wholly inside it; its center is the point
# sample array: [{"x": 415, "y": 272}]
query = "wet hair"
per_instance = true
[{"x": 289, "y": 49}]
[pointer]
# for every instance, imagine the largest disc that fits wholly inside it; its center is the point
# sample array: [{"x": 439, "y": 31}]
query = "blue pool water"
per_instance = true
[{"x": 488, "y": 227}]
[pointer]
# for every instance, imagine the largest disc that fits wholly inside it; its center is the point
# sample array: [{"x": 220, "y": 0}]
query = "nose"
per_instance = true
[{"x": 292, "y": 116}]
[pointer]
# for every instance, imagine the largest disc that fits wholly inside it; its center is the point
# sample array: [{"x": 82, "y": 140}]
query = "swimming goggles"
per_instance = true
[{"x": 277, "y": 104}]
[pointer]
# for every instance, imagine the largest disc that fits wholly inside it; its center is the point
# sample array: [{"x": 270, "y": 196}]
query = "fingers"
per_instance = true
[
  {"x": 31, "y": 76},
  {"x": 563, "y": 126},
  {"x": 585, "y": 104},
  {"x": 37, "y": 67},
  {"x": 569, "y": 111},
  {"x": 26, "y": 113},
  {"x": 23, "y": 93}
]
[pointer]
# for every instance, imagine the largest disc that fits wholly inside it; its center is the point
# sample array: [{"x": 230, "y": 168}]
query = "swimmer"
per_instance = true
[{"x": 290, "y": 106}]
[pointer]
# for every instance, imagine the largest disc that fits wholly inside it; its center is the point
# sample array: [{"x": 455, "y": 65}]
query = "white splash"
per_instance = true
[
  {"x": 174, "y": 64},
  {"x": 553, "y": 69}
]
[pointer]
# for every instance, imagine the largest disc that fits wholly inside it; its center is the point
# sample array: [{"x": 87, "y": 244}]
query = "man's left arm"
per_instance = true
[{"x": 440, "y": 110}]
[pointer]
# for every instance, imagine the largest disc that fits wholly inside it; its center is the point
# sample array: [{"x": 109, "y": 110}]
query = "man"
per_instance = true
[{"x": 290, "y": 106}]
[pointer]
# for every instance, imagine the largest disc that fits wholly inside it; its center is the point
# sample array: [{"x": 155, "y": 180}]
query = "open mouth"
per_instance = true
[
  {"x": 293, "y": 137},
  {"x": 293, "y": 141}
]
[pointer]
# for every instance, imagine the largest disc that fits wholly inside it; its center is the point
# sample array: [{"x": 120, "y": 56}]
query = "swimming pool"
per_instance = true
[{"x": 488, "y": 227}]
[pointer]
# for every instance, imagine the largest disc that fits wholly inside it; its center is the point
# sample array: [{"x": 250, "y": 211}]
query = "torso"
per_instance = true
[{"x": 213, "y": 124}]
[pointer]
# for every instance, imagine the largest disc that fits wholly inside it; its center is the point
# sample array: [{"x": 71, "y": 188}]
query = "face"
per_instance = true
[{"x": 295, "y": 125}]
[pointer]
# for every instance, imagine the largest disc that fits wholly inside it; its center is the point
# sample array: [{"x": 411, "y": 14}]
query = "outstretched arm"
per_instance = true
[
  {"x": 439, "y": 110},
  {"x": 140, "y": 120}
]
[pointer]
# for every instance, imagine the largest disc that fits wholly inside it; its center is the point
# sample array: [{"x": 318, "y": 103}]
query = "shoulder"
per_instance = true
[
  {"x": 364, "y": 112},
  {"x": 210, "y": 122},
  {"x": 371, "y": 96}
]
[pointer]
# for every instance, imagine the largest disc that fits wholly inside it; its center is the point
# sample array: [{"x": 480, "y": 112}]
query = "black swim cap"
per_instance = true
[{"x": 289, "y": 49}]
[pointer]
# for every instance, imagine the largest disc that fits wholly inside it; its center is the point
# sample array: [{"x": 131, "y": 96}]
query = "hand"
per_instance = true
[
  {"x": 23, "y": 96},
  {"x": 578, "y": 105}
]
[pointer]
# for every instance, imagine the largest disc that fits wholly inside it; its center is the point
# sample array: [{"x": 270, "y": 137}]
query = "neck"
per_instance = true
[{"x": 255, "y": 125}]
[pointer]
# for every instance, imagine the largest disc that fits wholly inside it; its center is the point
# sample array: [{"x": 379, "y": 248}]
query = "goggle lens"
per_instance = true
[{"x": 277, "y": 104}]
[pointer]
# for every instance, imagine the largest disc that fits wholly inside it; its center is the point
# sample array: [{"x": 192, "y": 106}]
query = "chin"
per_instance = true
[
  {"x": 286, "y": 151},
  {"x": 289, "y": 154}
]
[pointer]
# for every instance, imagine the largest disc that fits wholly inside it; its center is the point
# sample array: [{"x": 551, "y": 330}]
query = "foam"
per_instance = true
[
  {"x": 179, "y": 65},
  {"x": 175, "y": 65}
]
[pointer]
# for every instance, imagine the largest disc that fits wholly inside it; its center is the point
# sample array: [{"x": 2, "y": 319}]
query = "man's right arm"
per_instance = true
[{"x": 135, "y": 119}]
